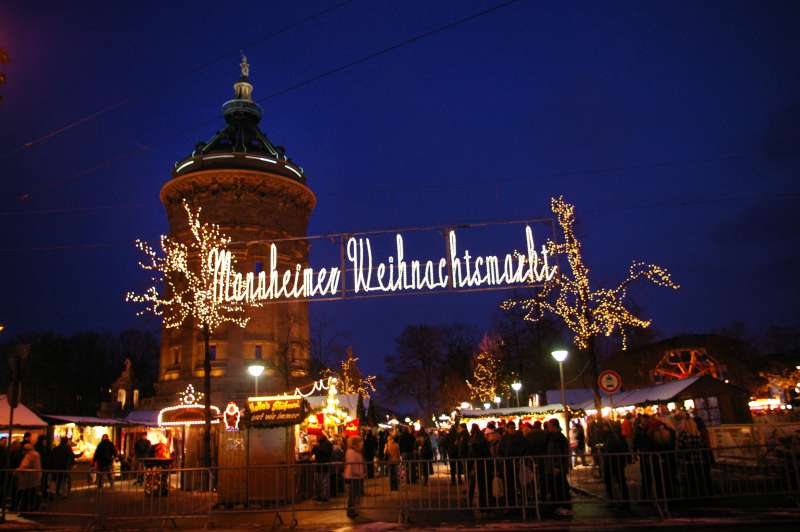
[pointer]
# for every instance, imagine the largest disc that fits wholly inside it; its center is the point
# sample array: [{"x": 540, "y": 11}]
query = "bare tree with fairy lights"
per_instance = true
[
  {"x": 586, "y": 312},
  {"x": 349, "y": 379},
  {"x": 185, "y": 274},
  {"x": 484, "y": 383}
]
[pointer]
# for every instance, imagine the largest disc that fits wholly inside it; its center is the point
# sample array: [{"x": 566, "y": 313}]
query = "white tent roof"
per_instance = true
[
  {"x": 513, "y": 411},
  {"x": 651, "y": 394},
  {"x": 23, "y": 416}
]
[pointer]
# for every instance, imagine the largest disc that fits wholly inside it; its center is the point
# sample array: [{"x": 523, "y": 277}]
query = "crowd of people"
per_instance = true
[
  {"x": 503, "y": 463},
  {"x": 503, "y": 466},
  {"x": 33, "y": 472},
  {"x": 487, "y": 464}
]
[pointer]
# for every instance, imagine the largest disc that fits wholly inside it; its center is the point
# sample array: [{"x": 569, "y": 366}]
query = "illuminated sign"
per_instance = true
[
  {"x": 351, "y": 427},
  {"x": 231, "y": 415},
  {"x": 315, "y": 424},
  {"x": 366, "y": 275},
  {"x": 276, "y": 411}
]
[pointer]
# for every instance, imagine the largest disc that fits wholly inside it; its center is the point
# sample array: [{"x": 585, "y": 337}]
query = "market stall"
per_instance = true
[
  {"x": 24, "y": 421},
  {"x": 182, "y": 427},
  {"x": 715, "y": 401},
  {"x": 84, "y": 433},
  {"x": 522, "y": 414}
]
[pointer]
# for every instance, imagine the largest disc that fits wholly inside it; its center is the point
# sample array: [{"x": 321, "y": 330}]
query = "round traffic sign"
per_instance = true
[{"x": 609, "y": 381}]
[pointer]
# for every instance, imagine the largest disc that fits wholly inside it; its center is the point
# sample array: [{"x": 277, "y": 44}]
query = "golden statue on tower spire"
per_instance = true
[{"x": 245, "y": 66}]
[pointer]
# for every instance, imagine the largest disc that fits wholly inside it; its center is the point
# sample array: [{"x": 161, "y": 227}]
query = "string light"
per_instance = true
[
  {"x": 486, "y": 368},
  {"x": 396, "y": 274},
  {"x": 188, "y": 401},
  {"x": 350, "y": 380},
  {"x": 186, "y": 275},
  {"x": 586, "y": 312}
]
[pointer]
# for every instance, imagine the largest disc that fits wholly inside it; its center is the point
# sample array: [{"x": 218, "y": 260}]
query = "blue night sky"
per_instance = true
[{"x": 673, "y": 127}]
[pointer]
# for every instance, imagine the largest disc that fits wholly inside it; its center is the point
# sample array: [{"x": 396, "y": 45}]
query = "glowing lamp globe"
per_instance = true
[
  {"x": 517, "y": 386},
  {"x": 560, "y": 355},
  {"x": 255, "y": 370}
]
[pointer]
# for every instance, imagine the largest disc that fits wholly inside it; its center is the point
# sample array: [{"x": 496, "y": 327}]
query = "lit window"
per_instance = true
[
  {"x": 258, "y": 352},
  {"x": 259, "y": 266}
]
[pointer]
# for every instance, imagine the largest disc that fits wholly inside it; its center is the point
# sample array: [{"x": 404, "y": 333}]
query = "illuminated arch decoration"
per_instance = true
[
  {"x": 677, "y": 364},
  {"x": 188, "y": 411}
]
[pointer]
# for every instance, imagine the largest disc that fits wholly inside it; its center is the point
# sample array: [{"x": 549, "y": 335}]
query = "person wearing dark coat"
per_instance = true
[
  {"x": 613, "y": 459},
  {"x": 462, "y": 451},
  {"x": 43, "y": 448},
  {"x": 103, "y": 460},
  {"x": 370, "y": 447},
  {"x": 424, "y": 453},
  {"x": 61, "y": 459},
  {"x": 407, "y": 444},
  {"x": 512, "y": 448},
  {"x": 322, "y": 453},
  {"x": 557, "y": 467},
  {"x": 141, "y": 450},
  {"x": 479, "y": 467},
  {"x": 449, "y": 443}
]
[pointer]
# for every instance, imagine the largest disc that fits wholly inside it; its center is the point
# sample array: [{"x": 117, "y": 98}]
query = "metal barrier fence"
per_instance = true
[{"x": 532, "y": 487}]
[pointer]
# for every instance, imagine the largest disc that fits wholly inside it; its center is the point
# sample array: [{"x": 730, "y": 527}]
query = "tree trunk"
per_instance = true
[
  {"x": 595, "y": 374},
  {"x": 207, "y": 396}
]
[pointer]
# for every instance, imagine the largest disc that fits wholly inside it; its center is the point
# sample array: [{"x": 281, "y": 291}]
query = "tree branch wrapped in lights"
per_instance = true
[
  {"x": 186, "y": 277},
  {"x": 587, "y": 313}
]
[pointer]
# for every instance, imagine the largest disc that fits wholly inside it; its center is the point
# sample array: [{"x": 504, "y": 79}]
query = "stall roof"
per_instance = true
[
  {"x": 83, "y": 420},
  {"x": 652, "y": 394},
  {"x": 575, "y": 396},
  {"x": 512, "y": 411},
  {"x": 148, "y": 418},
  {"x": 23, "y": 416}
]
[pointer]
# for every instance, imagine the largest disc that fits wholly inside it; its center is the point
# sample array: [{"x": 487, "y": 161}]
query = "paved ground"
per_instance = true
[{"x": 436, "y": 505}]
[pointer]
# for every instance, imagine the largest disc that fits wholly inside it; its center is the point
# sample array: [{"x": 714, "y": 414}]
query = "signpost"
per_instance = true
[{"x": 610, "y": 382}]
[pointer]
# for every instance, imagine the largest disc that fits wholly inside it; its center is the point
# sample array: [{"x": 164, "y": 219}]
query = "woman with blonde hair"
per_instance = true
[{"x": 354, "y": 472}]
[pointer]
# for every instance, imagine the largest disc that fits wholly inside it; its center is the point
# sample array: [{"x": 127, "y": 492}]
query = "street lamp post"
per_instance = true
[
  {"x": 516, "y": 386},
  {"x": 497, "y": 400},
  {"x": 561, "y": 355},
  {"x": 255, "y": 370}
]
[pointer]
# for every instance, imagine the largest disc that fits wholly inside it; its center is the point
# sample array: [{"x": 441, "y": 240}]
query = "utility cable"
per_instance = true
[{"x": 173, "y": 80}]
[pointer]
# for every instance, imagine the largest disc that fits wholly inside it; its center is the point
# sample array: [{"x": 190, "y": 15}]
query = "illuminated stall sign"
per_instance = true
[
  {"x": 276, "y": 411},
  {"x": 315, "y": 424},
  {"x": 367, "y": 275},
  {"x": 351, "y": 427}
]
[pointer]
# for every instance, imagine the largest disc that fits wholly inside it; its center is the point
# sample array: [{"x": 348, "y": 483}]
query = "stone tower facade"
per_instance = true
[{"x": 257, "y": 195}]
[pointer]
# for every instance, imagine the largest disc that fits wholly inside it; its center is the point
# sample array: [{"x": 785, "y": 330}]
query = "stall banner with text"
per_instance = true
[
  {"x": 315, "y": 424},
  {"x": 351, "y": 427},
  {"x": 276, "y": 412}
]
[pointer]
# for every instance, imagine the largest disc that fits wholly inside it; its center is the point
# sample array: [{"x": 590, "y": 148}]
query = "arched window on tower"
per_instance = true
[{"x": 121, "y": 396}]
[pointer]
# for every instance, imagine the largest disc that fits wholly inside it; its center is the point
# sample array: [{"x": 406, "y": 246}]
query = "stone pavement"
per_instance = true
[{"x": 437, "y": 504}]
